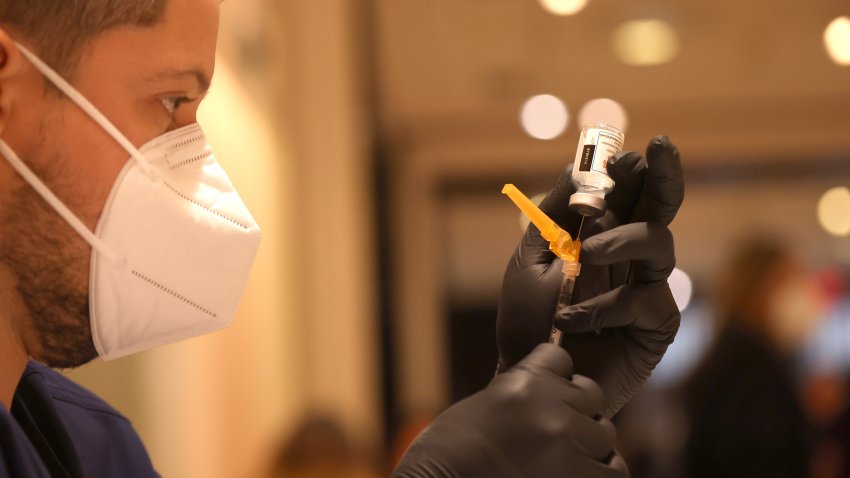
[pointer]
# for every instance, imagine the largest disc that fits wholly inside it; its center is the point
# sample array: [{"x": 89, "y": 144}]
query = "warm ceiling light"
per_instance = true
[
  {"x": 603, "y": 110},
  {"x": 645, "y": 42},
  {"x": 563, "y": 7},
  {"x": 834, "y": 211},
  {"x": 836, "y": 38},
  {"x": 544, "y": 117}
]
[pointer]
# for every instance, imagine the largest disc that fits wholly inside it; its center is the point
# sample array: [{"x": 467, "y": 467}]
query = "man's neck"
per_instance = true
[
  {"x": 13, "y": 361},
  {"x": 13, "y": 353}
]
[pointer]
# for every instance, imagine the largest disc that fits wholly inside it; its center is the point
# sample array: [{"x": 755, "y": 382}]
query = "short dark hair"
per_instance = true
[
  {"x": 751, "y": 265},
  {"x": 60, "y": 29}
]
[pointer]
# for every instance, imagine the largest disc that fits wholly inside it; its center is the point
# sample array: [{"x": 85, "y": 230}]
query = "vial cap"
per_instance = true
[{"x": 587, "y": 204}]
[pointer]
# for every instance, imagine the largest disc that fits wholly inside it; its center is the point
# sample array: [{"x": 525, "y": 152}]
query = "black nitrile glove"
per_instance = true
[
  {"x": 535, "y": 420},
  {"x": 623, "y": 315}
]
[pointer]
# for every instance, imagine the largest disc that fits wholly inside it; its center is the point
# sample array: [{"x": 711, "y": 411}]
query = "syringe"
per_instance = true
[
  {"x": 571, "y": 270},
  {"x": 560, "y": 243}
]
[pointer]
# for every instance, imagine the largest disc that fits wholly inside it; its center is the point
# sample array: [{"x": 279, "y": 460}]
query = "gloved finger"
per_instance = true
[
  {"x": 649, "y": 246},
  {"x": 595, "y": 280},
  {"x": 593, "y": 434},
  {"x": 643, "y": 306},
  {"x": 609, "y": 310},
  {"x": 584, "y": 395},
  {"x": 594, "y": 438},
  {"x": 664, "y": 185},
  {"x": 627, "y": 169},
  {"x": 557, "y": 201},
  {"x": 596, "y": 225},
  {"x": 637, "y": 359},
  {"x": 599, "y": 469},
  {"x": 548, "y": 358},
  {"x": 528, "y": 299}
]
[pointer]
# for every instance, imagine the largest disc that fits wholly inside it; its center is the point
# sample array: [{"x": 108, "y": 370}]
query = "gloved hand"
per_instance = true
[
  {"x": 537, "y": 419},
  {"x": 623, "y": 315}
]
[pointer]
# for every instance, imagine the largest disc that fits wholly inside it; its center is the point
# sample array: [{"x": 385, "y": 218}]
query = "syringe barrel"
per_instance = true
[{"x": 571, "y": 271}]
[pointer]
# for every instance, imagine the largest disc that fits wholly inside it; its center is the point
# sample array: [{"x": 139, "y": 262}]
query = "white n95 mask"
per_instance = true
[{"x": 174, "y": 244}]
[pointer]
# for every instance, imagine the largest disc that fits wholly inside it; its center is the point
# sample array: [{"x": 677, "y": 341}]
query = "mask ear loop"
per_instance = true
[
  {"x": 45, "y": 192},
  {"x": 58, "y": 205},
  {"x": 89, "y": 109}
]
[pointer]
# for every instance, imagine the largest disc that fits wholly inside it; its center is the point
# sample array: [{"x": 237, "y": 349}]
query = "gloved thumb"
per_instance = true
[
  {"x": 664, "y": 186},
  {"x": 548, "y": 358},
  {"x": 556, "y": 203}
]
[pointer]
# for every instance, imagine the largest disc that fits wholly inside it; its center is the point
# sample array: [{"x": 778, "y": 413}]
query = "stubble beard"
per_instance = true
[{"x": 50, "y": 263}]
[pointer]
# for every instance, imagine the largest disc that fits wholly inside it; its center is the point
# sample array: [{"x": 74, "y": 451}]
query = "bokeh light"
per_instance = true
[
  {"x": 645, "y": 42},
  {"x": 563, "y": 7},
  {"x": 682, "y": 288},
  {"x": 603, "y": 110},
  {"x": 836, "y": 38},
  {"x": 834, "y": 211},
  {"x": 544, "y": 117}
]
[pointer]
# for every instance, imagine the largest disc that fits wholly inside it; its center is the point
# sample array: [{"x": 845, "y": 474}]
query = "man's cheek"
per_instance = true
[{"x": 94, "y": 161}]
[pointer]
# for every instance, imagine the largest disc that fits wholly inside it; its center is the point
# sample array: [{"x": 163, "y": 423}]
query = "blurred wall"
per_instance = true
[{"x": 323, "y": 106}]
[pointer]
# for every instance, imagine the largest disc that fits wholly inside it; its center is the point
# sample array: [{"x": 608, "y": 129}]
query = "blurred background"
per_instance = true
[{"x": 371, "y": 138}]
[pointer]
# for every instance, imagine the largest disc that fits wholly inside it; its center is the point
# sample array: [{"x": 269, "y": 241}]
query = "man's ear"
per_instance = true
[{"x": 11, "y": 62}]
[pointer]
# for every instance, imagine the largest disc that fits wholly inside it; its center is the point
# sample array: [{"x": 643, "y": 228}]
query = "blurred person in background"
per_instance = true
[
  {"x": 744, "y": 409},
  {"x": 319, "y": 448},
  {"x": 108, "y": 256}
]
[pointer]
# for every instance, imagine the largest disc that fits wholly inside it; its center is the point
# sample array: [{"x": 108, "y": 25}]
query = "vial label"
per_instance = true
[
  {"x": 587, "y": 157},
  {"x": 599, "y": 145}
]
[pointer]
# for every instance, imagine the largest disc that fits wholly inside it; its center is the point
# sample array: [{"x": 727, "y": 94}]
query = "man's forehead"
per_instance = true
[
  {"x": 187, "y": 37},
  {"x": 181, "y": 45}
]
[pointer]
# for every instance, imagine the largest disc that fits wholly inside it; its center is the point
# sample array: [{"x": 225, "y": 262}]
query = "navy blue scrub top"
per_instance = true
[{"x": 58, "y": 429}]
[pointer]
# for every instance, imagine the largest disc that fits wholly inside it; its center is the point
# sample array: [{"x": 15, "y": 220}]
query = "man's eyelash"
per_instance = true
[{"x": 173, "y": 103}]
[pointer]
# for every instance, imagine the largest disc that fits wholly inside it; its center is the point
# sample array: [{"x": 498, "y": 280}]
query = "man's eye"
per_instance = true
[{"x": 173, "y": 103}]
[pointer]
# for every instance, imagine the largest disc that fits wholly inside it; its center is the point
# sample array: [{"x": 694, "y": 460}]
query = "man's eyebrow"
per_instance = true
[{"x": 200, "y": 77}]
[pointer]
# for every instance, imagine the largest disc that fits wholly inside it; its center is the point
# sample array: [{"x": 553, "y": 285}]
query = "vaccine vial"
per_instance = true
[{"x": 597, "y": 143}]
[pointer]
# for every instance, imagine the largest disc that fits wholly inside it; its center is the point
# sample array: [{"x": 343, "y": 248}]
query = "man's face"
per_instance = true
[{"x": 136, "y": 76}]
